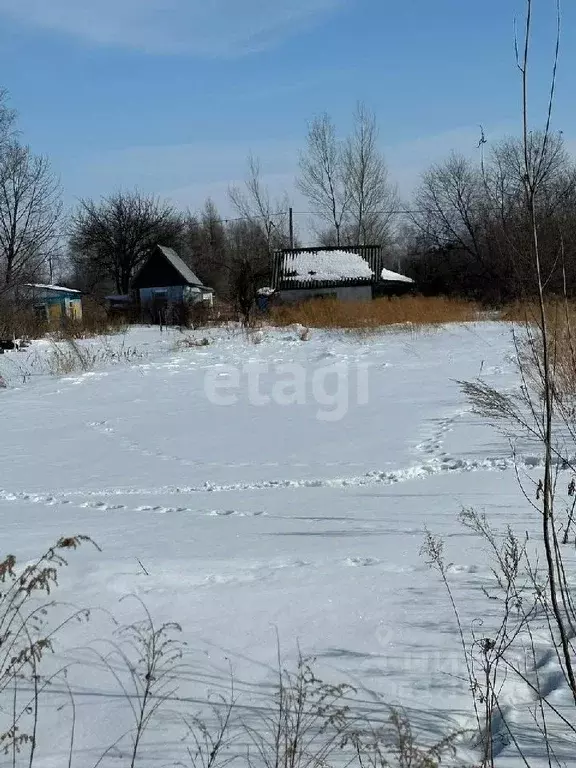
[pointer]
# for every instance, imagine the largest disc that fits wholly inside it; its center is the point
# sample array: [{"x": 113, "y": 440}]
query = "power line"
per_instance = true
[
  {"x": 262, "y": 217},
  {"x": 256, "y": 217},
  {"x": 383, "y": 210}
]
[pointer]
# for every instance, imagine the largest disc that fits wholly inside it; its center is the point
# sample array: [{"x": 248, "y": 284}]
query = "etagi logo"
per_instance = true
[{"x": 333, "y": 388}]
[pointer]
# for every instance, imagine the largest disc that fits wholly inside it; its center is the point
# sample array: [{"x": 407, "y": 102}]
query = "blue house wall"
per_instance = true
[{"x": 172, "y": 293}]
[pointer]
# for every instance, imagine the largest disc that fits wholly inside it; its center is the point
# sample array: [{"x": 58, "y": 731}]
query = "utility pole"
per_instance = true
[{"x": 291, "y": 227}]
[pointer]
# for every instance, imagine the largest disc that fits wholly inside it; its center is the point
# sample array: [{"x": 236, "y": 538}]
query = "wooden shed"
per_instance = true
[
  {"x": 51, "y": 302},
  {"x": 165, "y": 286},
  {"x": 345, "y": 273}
]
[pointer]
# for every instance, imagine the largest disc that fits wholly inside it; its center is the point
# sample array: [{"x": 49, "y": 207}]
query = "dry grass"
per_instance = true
[
  {"x": 16, "y": 322},
  {"x": 22, "y": 323},
  {"x": 558, "y": 310},
  {"x": 95, "y": 322},
  {"x": 520, "y": 312},
  {"x": 561, "y": 321},
  {"x": 68, "y": 356},
  {"x": 368, "y": 315}
]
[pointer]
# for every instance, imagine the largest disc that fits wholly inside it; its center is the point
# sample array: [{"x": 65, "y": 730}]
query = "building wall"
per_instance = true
[
  {"x": 74, "y": 309},
  {"x": 57, "y": 307},
  {"x": 171, "y": 293},
  {"x": 343, "y": 293},
  {"x": 54, "y": 310},
  {"x": 195, "y": 295}
]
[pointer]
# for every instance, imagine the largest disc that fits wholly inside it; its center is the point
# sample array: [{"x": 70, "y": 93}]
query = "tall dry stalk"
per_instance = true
[
  {"x": 532, "y": 185},
  {"x": 544, "y": 409}
]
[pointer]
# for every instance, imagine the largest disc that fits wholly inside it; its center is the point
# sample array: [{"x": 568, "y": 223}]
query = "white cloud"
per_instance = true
[{"x": 202, "y": 27}]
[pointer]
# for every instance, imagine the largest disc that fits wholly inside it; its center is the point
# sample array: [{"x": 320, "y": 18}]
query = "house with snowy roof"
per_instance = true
[
  {"x": 50, "y": 303},
  {"x": 345, "y": 273}
]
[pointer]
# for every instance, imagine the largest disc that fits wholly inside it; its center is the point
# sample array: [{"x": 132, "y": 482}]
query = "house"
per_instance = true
[
  {"x": 51, "y": 302},
  {"x": 309, "y": 273},
  {"x": 166, "y": 287},
  {"x": 346, "y": 273}
]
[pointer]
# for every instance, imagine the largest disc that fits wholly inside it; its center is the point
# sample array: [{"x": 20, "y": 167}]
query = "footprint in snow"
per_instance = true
[
  {"x": 234, "y": 513},
  {"x": 101, "y": 505},
  {"x": 356, "y": 562},
  {"x": 460, "y": 568}
]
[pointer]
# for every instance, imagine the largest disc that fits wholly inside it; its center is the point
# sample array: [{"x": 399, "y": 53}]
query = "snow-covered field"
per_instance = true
[{"x": 243, "y": 515}]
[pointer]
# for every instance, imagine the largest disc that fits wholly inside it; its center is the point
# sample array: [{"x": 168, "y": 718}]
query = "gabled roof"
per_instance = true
[
  {"x": 172, "y": 265},
  {"x": 182, "y": 268}
]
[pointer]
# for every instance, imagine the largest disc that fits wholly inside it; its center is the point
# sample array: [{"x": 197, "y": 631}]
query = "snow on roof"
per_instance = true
[
  {"x": 319, "y": 266},
  {"x": 51, "y": 287},
  {"x": 394, "y": 277}
]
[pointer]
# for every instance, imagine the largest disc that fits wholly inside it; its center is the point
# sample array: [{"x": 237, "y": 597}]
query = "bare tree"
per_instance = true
[
  {"x": 249, "y": 264},
  {"x": 30, "y": 210},
  {"x": 373, "y": 199},
  {"x": 255, "y": 204},
  {"x": 262, "y": 229},
  {"x": 322, "y": 177},
  {"x": 448, "y": 204},
  {"x": 476, "y": 211},
  {"x": 7, "y": 120},
  {"x": 113, "y": 237},
  {"x": 208, "y": 244}
]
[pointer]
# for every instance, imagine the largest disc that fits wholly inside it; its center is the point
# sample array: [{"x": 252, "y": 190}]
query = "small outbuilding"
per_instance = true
[
  {"x": 165, "y": 287},
  {"x": 346, "y": 273},
  {"x": 52, "y": 303},
  {"x": 393, "y": 284}
]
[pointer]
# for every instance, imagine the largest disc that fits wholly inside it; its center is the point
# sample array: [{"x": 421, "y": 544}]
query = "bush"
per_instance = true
[{"x": 20, "y": 323}]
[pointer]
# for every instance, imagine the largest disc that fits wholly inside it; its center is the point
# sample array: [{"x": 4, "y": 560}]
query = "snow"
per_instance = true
[
  {"x": 326, "y": 266},
  {"x": 51, "y": 287},
  {"x": 261, "y": 518},
  {"x": 387, "y": 274}
]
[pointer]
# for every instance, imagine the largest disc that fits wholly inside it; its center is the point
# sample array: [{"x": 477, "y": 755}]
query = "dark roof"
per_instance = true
[
  {"x": 182, "y": 268},
  {"x": 164, "y": 267}
]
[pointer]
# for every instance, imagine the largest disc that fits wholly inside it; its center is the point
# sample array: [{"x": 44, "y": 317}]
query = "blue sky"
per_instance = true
[{"x": 171, "y": 95}]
